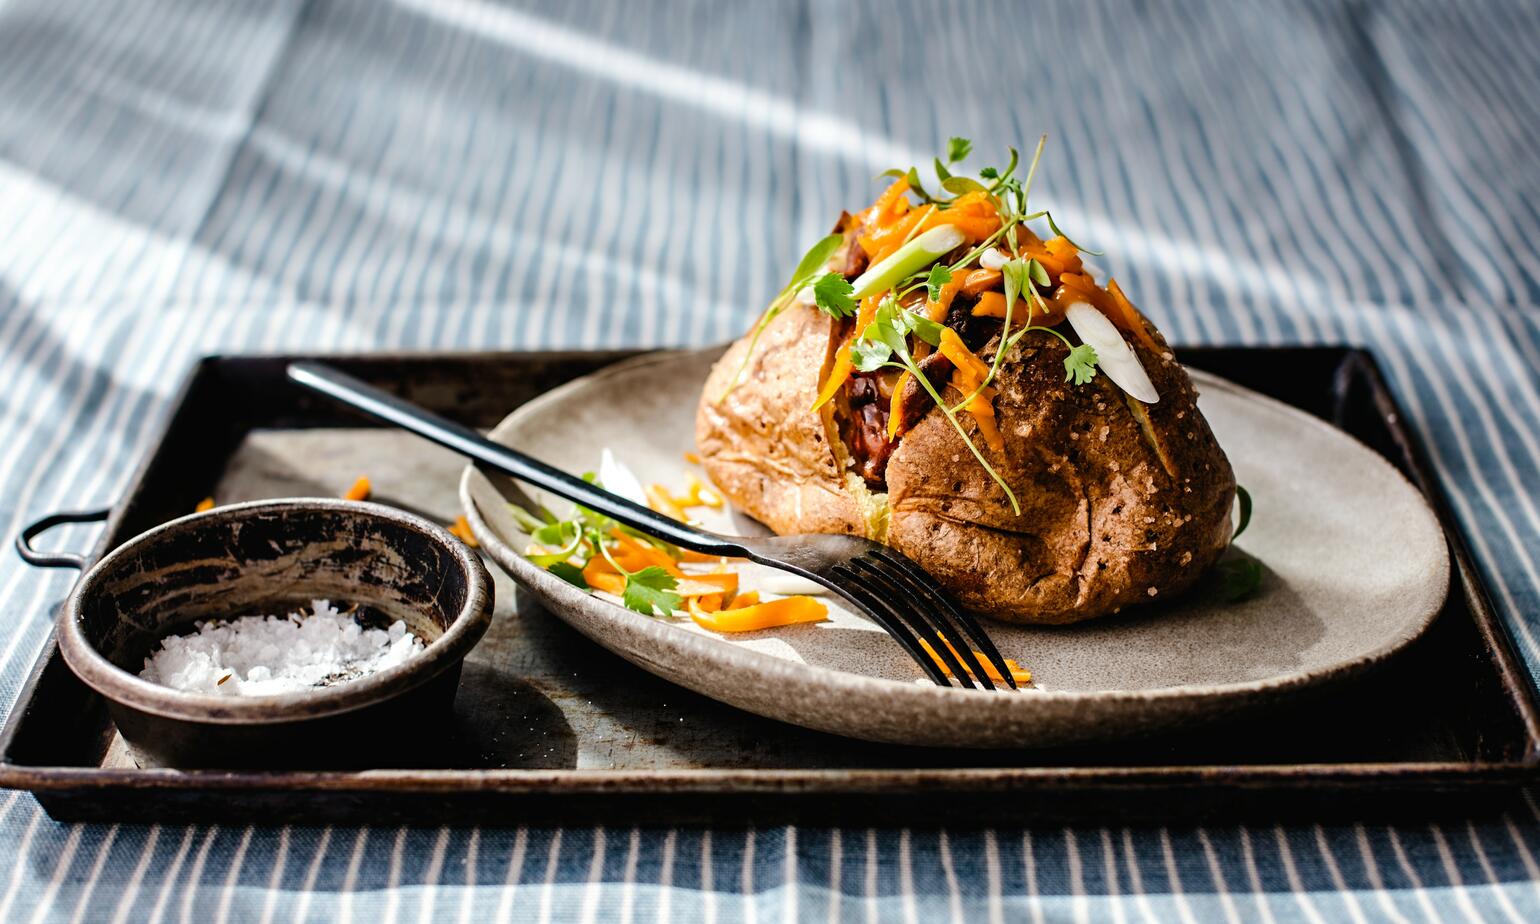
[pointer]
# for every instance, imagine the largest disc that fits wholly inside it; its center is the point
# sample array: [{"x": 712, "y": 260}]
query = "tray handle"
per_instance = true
[{"x": 56, "y": 559}]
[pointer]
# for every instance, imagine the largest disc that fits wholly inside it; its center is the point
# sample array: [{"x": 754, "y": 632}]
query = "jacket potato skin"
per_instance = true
[
  {"x": 759, "y": 442},
  {"x": 1115, "y": 511},
  {"x": 1105, "y": 524}
]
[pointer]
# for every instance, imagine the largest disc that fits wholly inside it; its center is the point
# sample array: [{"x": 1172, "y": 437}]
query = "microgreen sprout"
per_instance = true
[
  {"x": 648, "y": 590},
  {"x": 885, "y": 345},
  {"x": 814, "y": 263}
]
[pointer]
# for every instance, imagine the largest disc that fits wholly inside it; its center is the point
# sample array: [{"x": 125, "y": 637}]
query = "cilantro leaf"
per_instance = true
[
  {"x": 869, "y": 355},
  {"x": 939, "y": 276},
  {"x": 957, "y": 149},
  {"x": 1244, "y": 497},
  {"x": 651, "y": 589},
  {"x": 891, "y": 326},
  {"x": 923, "y": 327},
  {"x": 570, "y": 573},
  {"x": 832, "y": 294},
  {"x": 1238, "y": 578},
  {"x": 989, "y": 173},
  {"x": 1080, "y": 364}
]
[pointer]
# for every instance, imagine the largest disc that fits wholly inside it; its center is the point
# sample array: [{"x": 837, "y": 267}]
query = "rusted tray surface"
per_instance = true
[{"x": 549, "y": 727}]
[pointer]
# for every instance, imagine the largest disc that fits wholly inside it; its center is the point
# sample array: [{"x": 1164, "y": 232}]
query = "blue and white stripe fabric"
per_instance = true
[{"x": 179, "y": 177}]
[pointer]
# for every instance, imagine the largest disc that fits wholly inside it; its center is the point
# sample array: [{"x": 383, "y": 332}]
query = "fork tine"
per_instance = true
[
  {"x": 893, "y": 596},
  {"x": 895, "y": 628},
  {"x": 955, "y": 615}
]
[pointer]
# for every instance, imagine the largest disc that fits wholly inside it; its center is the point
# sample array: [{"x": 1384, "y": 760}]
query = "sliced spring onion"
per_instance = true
[
  {"x": 780, "y": 582},
  {"x": 907, "y": 260},
  {"x": 993, "y": 258},
  {"x": 618, "y": 479},
  {"x": 1113, "y": 354}
]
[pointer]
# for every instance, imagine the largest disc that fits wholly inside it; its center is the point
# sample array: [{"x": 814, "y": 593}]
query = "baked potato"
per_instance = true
[{"x": 1042, "y": 492}]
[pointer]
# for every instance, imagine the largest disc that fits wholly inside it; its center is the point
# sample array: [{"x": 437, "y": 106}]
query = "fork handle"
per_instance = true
[{"x": 344, "y": 388}]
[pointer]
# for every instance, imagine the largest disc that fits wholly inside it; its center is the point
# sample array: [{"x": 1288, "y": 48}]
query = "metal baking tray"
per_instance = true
[{"x": 549, "y": 728}]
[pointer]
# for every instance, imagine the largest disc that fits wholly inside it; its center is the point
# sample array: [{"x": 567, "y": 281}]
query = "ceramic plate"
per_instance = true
[{"x": 1355, "y": 567}]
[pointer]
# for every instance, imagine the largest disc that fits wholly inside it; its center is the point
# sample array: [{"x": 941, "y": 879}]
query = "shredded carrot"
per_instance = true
[
  {"x": 643, "y": 552},
  {"x": 748, "y": 598},
  {"x": 990, "y": 305},
  {"x": 709, "y": 603},
  {"x": 868, "y": 310},
  {"x": 692, "y": 458},
  {"x": 1127, "y": 317},
  {"x": 783, "y": 612},
  {"x": 601, "y": 575},
  {"x": 359, "y": 491},
  {"x": 1018, "y": 673},
  {"x": 838, "y": 375},
  {"x": 1060, "y": 249},
  {"x": 937, "y": 310},
  {"x": 892, "y": 203},
  {"x": 206, "y": 504},
  {"x": 969, "y": 374},
  {"x": 981, "y": 280},
  {"x": 660, "y": 500},
  {"x": 880, "y": 244},
  {"x": 699, "y": 585},
  {"x": 896, "y": 404},
  {"x": 701, "y": 494},
  {"x": 954, "y": 349},
  {"x": 1058, "y": 256},
  {"x": 983, "y": 414},
  {"x": 461, "y": 529},
  {"x": 843, "y": 365},
  {"x": 973, "y": 214}
]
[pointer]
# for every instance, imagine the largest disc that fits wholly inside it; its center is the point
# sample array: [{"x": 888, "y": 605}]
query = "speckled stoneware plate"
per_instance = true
[{"x": 1355, "y": 568}]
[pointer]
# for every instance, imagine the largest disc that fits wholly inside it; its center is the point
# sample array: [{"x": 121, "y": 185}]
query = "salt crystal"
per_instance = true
[{"x": 266, "y": 655}]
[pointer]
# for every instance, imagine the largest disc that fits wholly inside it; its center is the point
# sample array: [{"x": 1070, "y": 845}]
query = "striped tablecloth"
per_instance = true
[{"x": 182, "y": 177}]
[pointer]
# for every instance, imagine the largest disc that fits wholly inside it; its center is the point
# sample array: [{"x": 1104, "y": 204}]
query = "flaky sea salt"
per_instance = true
[{"x": 263, "y": 655}]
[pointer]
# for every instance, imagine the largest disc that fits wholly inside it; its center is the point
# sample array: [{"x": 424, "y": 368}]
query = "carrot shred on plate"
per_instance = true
[
  {"x": 723, "y": 585},
  {"x": 206, "y": 504},
  {"x": 601, "y": 575},
  {"x": 634, "y": 555},
  {"x": 783, "y": 612},
  {"x": 660, "y": 500},
  {"x": 359, "y": 491},
  {"x": 701, "y": 494},
  {"x": 1018, "y": 673},
  {"x": 461, "y": 529}
]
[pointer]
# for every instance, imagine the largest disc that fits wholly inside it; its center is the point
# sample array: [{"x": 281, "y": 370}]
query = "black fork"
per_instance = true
[{"x": 882, "y": 584}]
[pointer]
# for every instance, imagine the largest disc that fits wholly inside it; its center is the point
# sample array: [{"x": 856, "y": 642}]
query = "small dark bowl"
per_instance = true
[{"x": 273, "y": 557}]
